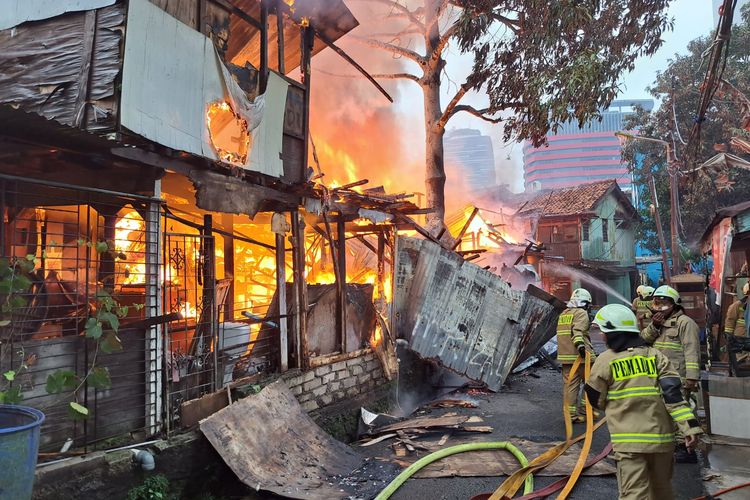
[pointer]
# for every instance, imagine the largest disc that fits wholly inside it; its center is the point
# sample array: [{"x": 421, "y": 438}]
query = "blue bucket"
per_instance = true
[{"x": 19, "y": 445}]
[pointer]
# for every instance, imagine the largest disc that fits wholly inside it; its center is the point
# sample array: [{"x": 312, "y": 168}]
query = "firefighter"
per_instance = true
[
  {"x": 735, "y": 322},
  {"x": 573, "y": 341},
  {"x": 641, "y": 393},
  {"x": 641, "y": 304},
  {"x": 675, "y": 334}
]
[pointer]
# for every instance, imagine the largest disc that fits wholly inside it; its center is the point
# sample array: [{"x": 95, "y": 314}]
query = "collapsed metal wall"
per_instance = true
[{"x": 463, "y": 316}]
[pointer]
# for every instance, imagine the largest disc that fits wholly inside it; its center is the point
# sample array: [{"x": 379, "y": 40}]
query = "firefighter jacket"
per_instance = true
[
  {"x": 641, "y": 394},
  {"x": 572, "y": 331},
  {"x": 678, "y": 340},
  {"x": 735, "y": 322},
  {"x": 642, "y": 311}
]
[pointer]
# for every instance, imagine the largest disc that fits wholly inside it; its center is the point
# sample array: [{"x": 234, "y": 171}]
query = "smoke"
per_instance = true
[{"x": 358, "y": 133}]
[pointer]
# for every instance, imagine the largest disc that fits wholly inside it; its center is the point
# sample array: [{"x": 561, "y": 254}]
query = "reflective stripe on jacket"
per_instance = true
[
  {"x": 638, "y": 418},
  {"x": 678, "y": 340},
  {"x": 735, "y": 322},
  {"x": 572, "y": 331}
]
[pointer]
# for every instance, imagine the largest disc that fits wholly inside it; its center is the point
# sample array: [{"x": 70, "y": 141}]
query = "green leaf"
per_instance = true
[
  {"x": 93, "y": 328},
  {"x": 61, "y": 380},
  {"x": 122, "y": 311},
  {"x": 4, "y": 322},
  {"x": 99, "y": 378},
  {"x": 30, "y": 257},
  {"x": 101, "y": 247},
  {"x": 80, "y": 242},
  {"x": 78, "y": 410},
  {"x": 138, "y": 307},
  {"x": 110, "y": 343},
  {"x": 11, "y": 396},
  {"x": 10, "y": 375},
  {"x": 110, "y": 318}
]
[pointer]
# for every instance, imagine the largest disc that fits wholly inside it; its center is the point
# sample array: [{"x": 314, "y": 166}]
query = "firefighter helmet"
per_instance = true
[
  {"x": 580, "y": 297},
  {"x": 639, "y": 290},
  {"x": 616, "y": 318},
  {"x": 648, "y": 291},
  {"x": 667, "y": 292}
]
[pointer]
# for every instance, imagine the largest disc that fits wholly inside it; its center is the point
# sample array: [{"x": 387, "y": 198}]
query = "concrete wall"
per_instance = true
[{"x": 329, "y": 384}]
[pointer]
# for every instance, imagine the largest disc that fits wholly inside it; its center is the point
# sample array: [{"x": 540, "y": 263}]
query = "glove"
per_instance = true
[
  {"x": 691, "y": 385},
  {"x": 582, "y": 351}
]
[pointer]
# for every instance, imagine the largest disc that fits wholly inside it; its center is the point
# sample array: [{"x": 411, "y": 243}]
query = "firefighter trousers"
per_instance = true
[
  {"x": 574, "y": 402},
  {"x": 644, "y": 476}
]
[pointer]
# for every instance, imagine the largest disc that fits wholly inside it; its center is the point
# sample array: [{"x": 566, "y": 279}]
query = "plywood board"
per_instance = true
[
  {"x": 272, "y": 445},
  {"x": 172, "y": 73},
  {"x": 15, "y": 12},
  {"x": 729, "y": 416}
]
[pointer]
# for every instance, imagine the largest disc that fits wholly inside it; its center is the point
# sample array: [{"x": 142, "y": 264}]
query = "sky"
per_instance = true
[{"x": 692, "y": 18}]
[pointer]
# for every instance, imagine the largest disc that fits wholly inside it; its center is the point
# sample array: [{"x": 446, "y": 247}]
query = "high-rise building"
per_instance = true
[
  {"x": 580, "y": 155},
  {"x": 470, "y": 153}
]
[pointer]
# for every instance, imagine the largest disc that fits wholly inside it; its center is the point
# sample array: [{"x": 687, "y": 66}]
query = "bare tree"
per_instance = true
[{"x": 540, "y": 62}]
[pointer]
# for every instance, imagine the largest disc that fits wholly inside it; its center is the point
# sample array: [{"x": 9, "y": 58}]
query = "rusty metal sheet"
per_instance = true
[
  {"x": 466, "y": 318},
  {"x": 48, "y": 81},
  {"x": 271, "y": 444}
]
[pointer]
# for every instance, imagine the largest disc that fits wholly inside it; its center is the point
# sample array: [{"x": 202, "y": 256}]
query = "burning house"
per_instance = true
[
  {"x": 587, "y": 233},
  {"x": 154, "y": 170}
]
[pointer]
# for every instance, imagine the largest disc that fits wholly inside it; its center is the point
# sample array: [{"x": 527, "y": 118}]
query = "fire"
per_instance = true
[
  {"x": 129, "y": 241},
  {"x": 187, "y": 310},
  {"x": 377, "y": 336},
  {"x": 228, "y": 131}
]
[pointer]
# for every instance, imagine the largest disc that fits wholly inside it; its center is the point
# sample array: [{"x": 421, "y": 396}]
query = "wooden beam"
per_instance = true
[
  {"x": 464, "y": 228},
  {"x": 300, "y": 290},
  {"x": 263, "y": 45},
  {"x": 281, "y": 293},
  {"x": 280, "y": 37},
  {"x": 227, "y": 222},
  {"x": 341, "y": 282},
  {"x": 84, "y": 74}
]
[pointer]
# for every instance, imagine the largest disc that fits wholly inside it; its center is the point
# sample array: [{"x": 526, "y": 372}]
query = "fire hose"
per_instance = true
[
  {"x": 462, "y": 448},
  {"x": 511, "y": 485}
]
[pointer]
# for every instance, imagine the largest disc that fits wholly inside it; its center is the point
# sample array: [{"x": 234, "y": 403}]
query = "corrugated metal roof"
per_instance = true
[
  {"x": 570, "y": 201},
  {"x": 464, "y": 317}
]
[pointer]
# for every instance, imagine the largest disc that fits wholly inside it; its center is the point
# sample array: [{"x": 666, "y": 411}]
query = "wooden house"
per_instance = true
[{"x": 588, "y": 237}]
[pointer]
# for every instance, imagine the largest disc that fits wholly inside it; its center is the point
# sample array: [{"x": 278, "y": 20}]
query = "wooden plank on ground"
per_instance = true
[
  {"x": 427, "y": 422},
  {"x": 271, "y": 444}
]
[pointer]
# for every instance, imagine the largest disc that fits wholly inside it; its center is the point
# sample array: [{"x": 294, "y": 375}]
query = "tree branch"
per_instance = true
[
  {"x": 402, "y": 10},
  {"x": 379, "y": 76},
  {"x": 444, "y": 39},
  {"x": 450, "y": 110},
  {"x": 479, "y": 113},
  {"x": 389, "y": 47}
]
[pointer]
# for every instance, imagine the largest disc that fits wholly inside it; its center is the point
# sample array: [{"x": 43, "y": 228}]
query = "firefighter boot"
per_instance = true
[{"x": 684, "y": 456}]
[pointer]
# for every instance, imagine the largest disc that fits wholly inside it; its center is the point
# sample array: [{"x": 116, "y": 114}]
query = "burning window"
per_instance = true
[{"x": 229, "y": 135}]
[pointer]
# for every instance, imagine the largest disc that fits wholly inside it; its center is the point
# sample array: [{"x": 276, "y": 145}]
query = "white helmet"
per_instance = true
[
  {"x": 667, "y": 292},
  {"x": 647, "y": 291},
  {"x": 743, "y": 289},
  {"x": 579, "y": 298},
  {"x": 616, "y": 318}
]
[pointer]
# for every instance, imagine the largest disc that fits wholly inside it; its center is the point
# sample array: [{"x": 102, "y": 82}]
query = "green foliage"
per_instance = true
[
  {"x": 153, "y": 488},
  {"x": 678, "y": 87},
  {"x": 16, "y": 278},
  {"x": 550, "y": 62}
]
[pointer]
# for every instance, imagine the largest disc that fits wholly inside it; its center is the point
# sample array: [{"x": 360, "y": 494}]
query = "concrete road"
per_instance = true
[{"x": 530, "y": 408}]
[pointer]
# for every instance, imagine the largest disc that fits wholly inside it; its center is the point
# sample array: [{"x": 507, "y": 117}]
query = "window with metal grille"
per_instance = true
[
  {"x": 605, "y": 230},
  {"x": 585, "y": 226}
]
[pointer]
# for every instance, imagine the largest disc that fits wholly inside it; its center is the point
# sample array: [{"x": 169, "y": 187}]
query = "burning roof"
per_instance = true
[{"x": 575, "y": 200}]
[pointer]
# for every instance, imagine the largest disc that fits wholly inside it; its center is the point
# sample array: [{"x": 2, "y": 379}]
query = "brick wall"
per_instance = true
[{"x": 336, "y": 382}]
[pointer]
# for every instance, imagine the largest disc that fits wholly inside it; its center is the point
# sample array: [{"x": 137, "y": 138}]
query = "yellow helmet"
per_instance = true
[
  {"x": 616, "y": 318},
  {"x": 667, "y": 292},
  {"x": 743, "y": 289},
  {"x": 639, "y": 290}
]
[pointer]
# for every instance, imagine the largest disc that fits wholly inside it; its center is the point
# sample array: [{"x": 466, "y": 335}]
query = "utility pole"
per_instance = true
[
  {"x": 660, "y": 231},
  {"x": 672, "y": 172}
]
